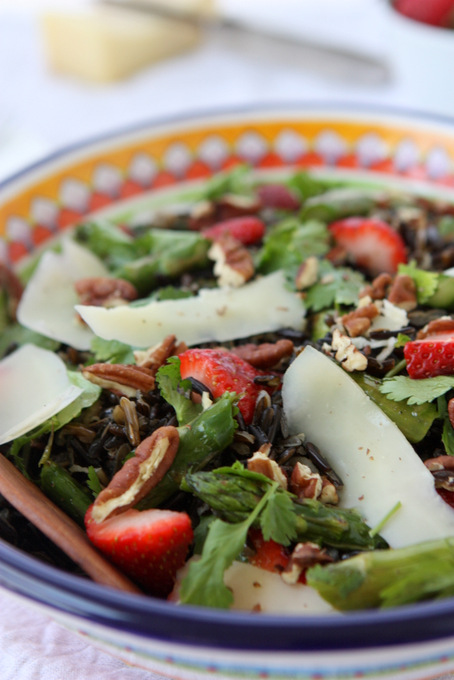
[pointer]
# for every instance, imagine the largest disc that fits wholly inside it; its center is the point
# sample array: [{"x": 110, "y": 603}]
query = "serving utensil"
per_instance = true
[
  {"x": 63, "y": 531},
  {"x": 328, "y": 60}
]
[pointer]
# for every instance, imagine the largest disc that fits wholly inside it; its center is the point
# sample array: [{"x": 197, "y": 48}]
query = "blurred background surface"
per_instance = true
[{"x": 67, "y": 74}]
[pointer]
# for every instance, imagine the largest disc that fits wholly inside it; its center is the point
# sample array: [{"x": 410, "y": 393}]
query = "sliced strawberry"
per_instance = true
[
  {"x": 247, "y": 230},
  {"x": 149, "y": 546},
  {"x": 430, "y": 356},
  {"x": 370, "y": 243},
  {"x": 222, "y": 371},
  {"x": 267, "y": 555},
  {"x": 277, "y": 196},
  {"x": 434, "y": 12}
]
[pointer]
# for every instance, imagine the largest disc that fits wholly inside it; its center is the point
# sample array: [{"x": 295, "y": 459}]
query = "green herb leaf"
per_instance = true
[
  {"x": 336, "y": 286},
  {"x": 234, "y": 181},
  {"x": 426, "y": 282},
  {"x": 93, "y": 482},
  {"x": 175, "y": 391},
  {"x": 278, "y": 519},
  {"x": 416, "y": 391},
  {"x": 111, "y": 351},
  {"x": 291, "y": 242},
  {"x": 204, "y": 583}
]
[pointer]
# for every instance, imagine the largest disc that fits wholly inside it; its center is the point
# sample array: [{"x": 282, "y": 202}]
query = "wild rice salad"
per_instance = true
[{"x": 256, "y": 381}]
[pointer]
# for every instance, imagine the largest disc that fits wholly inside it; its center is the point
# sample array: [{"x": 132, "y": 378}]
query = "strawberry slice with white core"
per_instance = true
[
  {"x": 222, "y": 371},
  {"x": 149, "y": 546},
  {"x": 370, "y": 243},
  {"x": 430, "y": 356}
]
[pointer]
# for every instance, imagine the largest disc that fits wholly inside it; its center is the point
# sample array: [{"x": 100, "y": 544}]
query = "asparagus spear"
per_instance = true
[
  {"x": 233, "y": 493},
  {"x": 388, "y": 578},
  {"x": 200, "y": 440}
]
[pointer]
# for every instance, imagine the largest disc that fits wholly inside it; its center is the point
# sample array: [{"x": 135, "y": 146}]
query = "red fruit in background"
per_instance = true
[
  {"x": 433, "y": 12},
  {"x": 221, "y": 371},
  {"x": 277, "y": 196},
  {"x": 247, "y": 230},
  {"x": 370, "y": 243},
  {"x": 148, "y": 546},
  {"x": 430, "y": 356}
]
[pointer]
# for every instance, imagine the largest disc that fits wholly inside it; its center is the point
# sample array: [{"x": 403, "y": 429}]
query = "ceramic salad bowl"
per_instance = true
[{"x": 140, "y": 168}]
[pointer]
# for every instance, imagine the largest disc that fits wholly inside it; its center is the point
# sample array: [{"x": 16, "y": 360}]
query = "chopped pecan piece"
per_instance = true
[
  {"x": 153, "y": 458},
  {"x": 304, "y": 483},
  {"x": 265, "y": 355},
  {"x": 358, "y": 322},
  {"x": 268, "y": 467},
  {"x": 304, "y": 555},
  {"x": 328, "y": 494},
  {"x": 233, "y": 261},
  {"x": 156, "y": 356},
  {"x": 103, "y": 291},
  {"x": 442, "y": 469},
  {"x": 125, "y": 379},
  {"x": 403, "y": 292},
  {"x": 347, "y": 354},
  {"x": 307, "y": 273}
]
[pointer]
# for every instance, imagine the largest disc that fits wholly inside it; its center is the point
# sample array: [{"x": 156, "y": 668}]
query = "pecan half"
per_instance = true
[
  {"x": 378, "y": 288},
  {"x": 125, "y": 379},
  {"x": 154, "y": 357},
  {"x": 233, "y": 261},
  {"x": 153, "y": 458},
  {"x": 265, "y": 355},
  {"x": 103, "y": 291},
  {"x": 445, "y": 324}
]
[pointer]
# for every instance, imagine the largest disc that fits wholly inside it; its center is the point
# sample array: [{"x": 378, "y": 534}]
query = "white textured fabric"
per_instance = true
[{"x": 33, "y": 647}]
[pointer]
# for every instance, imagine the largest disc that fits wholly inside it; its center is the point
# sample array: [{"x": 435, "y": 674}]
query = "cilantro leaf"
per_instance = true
[
  {"x": 278, "y": 519},
  {"x": 416, "y": 391},
  {"x": 204, "y": 582},
  {"x": 336, "y": 286},
  {"x": 174, "y": 390},
  {"x": 291, "y": 242},
  {"x": 93, "y": 482}
]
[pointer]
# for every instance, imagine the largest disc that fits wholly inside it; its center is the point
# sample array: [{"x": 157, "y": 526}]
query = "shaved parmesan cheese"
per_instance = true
[
  {"x": 377, "y": 464},
  {"x": 47, "y": 305},
  {"x": 391, "y": 318},
  {"x": 256, "y": 589},
  {"x": 34, "y": 386},
  {"x": 214, "y": 314}
]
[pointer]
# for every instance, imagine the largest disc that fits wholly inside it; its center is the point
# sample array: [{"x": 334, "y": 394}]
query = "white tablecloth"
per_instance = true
[{"x": 40, "y": 112}]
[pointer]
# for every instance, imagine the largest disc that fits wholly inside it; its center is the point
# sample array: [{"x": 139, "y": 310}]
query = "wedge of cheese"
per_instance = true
[
  {"x": 103, "y": 44},
  {"x": 260, "y": 306},
  {"x": 34, "y": 386},
  {"x": 380, "y": 469}
]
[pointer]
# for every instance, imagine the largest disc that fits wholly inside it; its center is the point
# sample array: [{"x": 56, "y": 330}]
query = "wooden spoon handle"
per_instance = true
[{"x": 44, "y": 514}]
